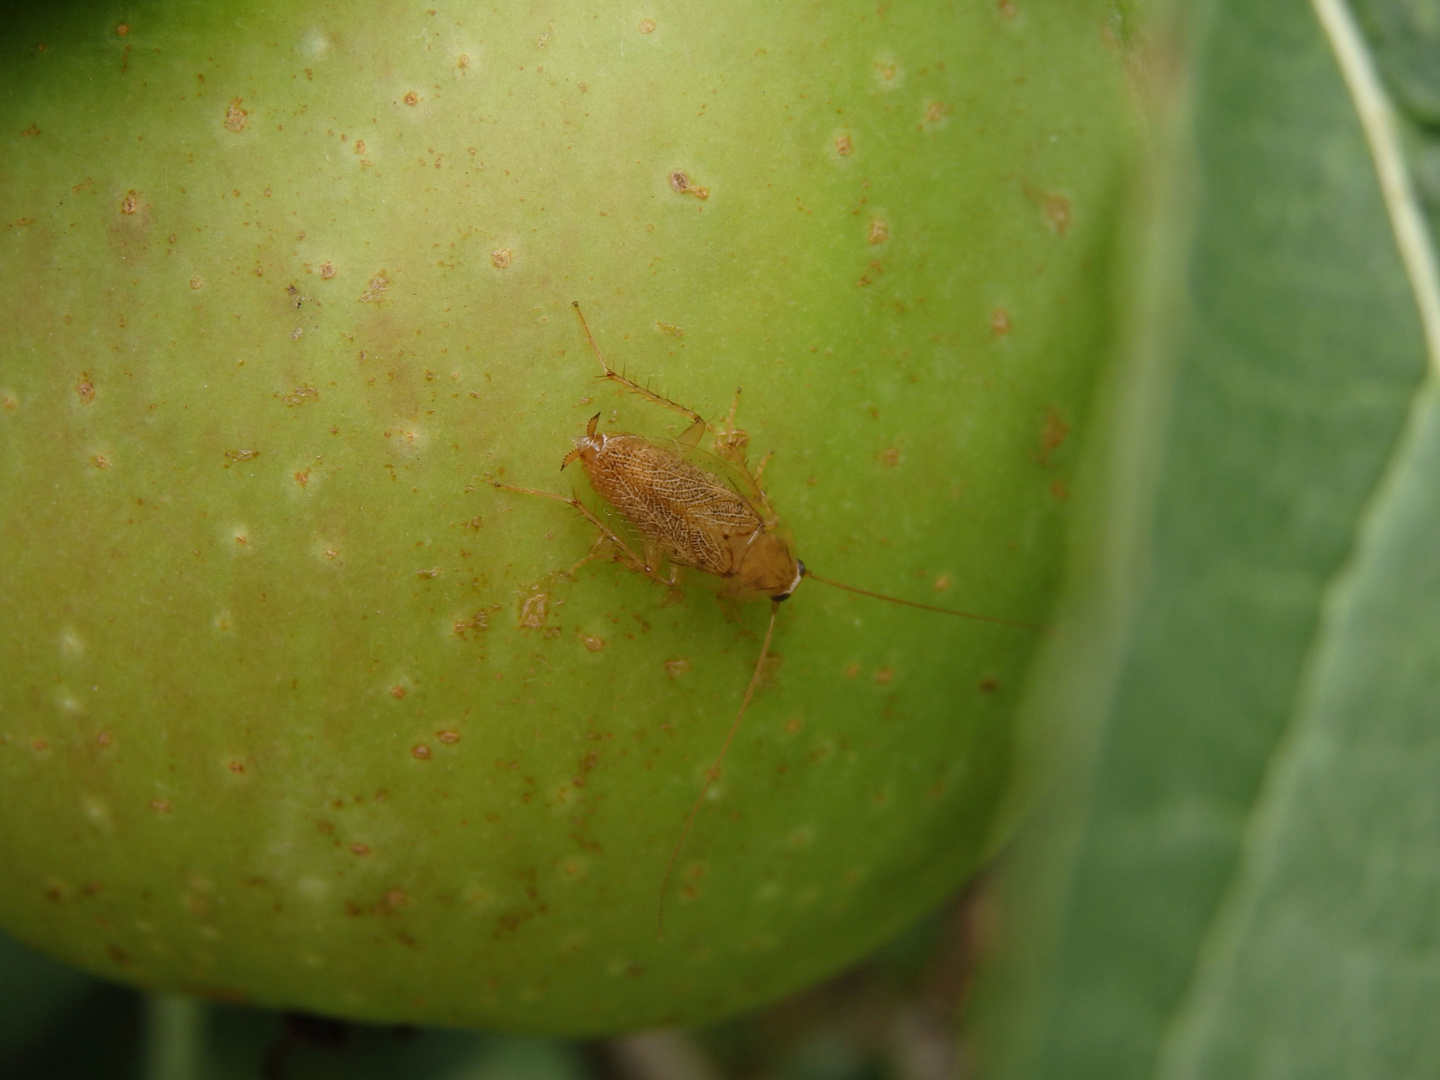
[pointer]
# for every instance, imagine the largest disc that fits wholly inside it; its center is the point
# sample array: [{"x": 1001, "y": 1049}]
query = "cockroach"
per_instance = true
[{"x": 686, "y": 516}]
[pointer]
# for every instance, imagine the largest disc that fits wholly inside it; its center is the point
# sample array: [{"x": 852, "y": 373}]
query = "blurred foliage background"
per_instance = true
[
  {"x": 1234, "y": 873},
  {"x": 1233, "y": 869},
  {"x": 890, "y": 1017}
]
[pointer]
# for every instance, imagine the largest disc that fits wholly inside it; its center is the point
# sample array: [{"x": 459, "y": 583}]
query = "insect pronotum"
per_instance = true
[{"x": 688, "y": 516}]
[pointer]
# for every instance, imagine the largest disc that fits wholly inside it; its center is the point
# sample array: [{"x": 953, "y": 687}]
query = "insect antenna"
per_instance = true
[
  {"x": 923, "y": 607},
  {"x": 714, "y": 773}
]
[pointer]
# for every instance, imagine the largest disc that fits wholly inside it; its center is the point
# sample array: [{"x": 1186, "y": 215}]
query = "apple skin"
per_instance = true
[{"x": 284, "y": 287}]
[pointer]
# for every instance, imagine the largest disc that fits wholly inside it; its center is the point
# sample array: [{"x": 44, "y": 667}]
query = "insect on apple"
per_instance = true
[{"x": 684, "y": 515}]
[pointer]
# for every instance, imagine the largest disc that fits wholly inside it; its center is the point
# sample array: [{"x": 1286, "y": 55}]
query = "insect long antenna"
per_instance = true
[
  {"x": 589, "y": 336},
  {"x": 925, "y": 607},
  {"x": 714, "y": 773}
]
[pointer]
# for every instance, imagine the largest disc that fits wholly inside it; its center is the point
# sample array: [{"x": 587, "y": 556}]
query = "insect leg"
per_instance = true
[
  {"x": 690, "y": 437},
  {"x": 623, "y": 552},
  {"x": 628, "y": 384},
  {"x": 760, "y": 469},
  {"x": 714, "y": 773},
  {"x": 730, "y": 441},
  {"x": 603, "y": 545},
  {"x": 748, "y": 481},
  {"x": 767, "y": 511},
  {"x": 734, "y": 408}
]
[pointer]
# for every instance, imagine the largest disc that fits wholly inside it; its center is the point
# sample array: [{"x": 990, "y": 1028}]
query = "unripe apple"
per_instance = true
[{"x": 297, "y": 708}]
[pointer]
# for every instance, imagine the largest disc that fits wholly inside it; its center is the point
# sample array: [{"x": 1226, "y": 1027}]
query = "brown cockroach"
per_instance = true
[{"x": 688, "y": 516}]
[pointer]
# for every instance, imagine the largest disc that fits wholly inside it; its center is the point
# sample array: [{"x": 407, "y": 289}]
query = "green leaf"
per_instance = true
[
  {"x": 1323, "y": 961},
  {"x": 1245, "y": 881}
]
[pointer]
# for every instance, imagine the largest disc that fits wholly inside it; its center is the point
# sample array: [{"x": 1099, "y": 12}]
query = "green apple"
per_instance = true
[{"x": 297, "y": 708}]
